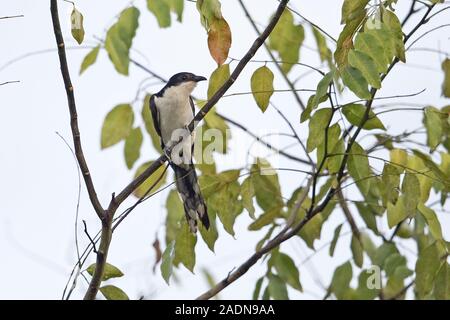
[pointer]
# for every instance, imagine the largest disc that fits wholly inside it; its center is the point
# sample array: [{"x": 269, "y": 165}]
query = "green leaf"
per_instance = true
[
  {"x": 120, "y": 37},
  {"x": 220, "y": 142},
  {"x": 352, "y": 9},
  {"x": 322, "y": 88},
  {"x": 387, "y": 38},
  {"x": 257, "y": 290},
  {"x": 383, "y": 252},
  {"x": 359, "y": 169},
  {"x": 442, "y": 283},
  {"x": 336, "y": 235},
  {"x": 324, "y": 51},
  {"x": 219, "y": 40},
  {"x": 396, "y": 213},
  {"x": 266, "y": 185},
  {"x": 393, "y": 287},
  {"x": 89, "y": 59},
  {"x": 356, "y": 82},
  {"x": 366, "y": 65},
  {"x": 426, "y": 164},
  {"x": 155, "y": 181},
  {"x": 247, "y": 194},
  {"x": 148, "y": 121},
  {"x": 185, "y": 247},
  {"x": 286, "y": 39},
  {"x": 345, "y": 41},
  {"x": 364, "y": 292},
  {"x": 432, "y": 220},
  {"x": 312, "y": 230},
  {"x": 427, "y": 267},
  {"x": 354, "y": 113},
  {"x": 175, "y": 214},
  {"x": 390, "y": 184},
  {"x": 161, "y": 10},
  {"x": 393, "y": 24},
  {"x": 262, "y": 87},
  {"x": 392, "y": 262},
  {"x": 76, "y": 19},
  {"x": 109, "y": 272},
  {"x": 446, "y": 83},
  {"x": 266, "y": 294},
  {"x": 369, "y": 44},
  {"x": 177, "y": 6},
  {"x": 309, "y": 107},
  {"x": 433, "y": 124},
  {"x": 277, "y": 288},
  {"x": 411, "y": 192},
  {"x": 209, "y": 10},
  {"x": 167, "y": 262},
  {"x": 340, "y": 283},
  {"x": 334, "y": 162},
  {"x": 266, "y": 218},
  {"x": 133, "y": 147},
  {"x": 117, "y": 125},
  {"x": 287, "y": 270},
  {"x": 222, "y": 193},
  {"x": 368, "y": 215},
  {"x": 211, "y": 235},
  {"x": 357, "y": 251},
  {"x": 218, "y": 78},
  {"x": 317, "y": 125},
  {"x": 113, "y": 293},
  {"x": 211, "y": 184},
  {"x": 399, "y": 157}
]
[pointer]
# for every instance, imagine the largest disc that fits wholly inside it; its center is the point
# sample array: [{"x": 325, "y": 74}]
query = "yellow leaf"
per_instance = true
[{"x": 262, "y": 87}]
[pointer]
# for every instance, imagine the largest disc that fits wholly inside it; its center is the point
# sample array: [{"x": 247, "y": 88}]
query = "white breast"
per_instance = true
[{"x": 174, "y": 112}]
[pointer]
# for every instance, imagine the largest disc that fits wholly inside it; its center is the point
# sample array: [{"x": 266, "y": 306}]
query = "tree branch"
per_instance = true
[
  {"x": 73, "y": 111},
  {"x": 348, "y": 215}
]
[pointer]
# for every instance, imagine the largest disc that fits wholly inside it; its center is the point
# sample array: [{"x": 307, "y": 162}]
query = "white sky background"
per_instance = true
[{"x": 38, "y": 177}]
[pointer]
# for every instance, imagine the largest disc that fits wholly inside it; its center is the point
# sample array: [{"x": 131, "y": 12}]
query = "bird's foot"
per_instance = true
[{"x": 167, "y": 154}]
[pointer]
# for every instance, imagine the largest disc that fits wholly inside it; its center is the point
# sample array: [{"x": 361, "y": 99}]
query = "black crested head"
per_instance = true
[{"x": 182, "y": 77}]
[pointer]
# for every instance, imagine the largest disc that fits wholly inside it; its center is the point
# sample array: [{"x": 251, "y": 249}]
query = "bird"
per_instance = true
[{"x": 172, "y": 110}]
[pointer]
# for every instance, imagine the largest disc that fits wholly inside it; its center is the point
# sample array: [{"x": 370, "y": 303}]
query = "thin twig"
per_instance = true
[
  {"x": 77, "y": 210},
  {"x": 12, "y": 17},
  {"x": 89, "y": 237},
  {"x": 9, "y": 82},
  {"x": 294, "y": 132},
  {"x": 259, "y": 139}
]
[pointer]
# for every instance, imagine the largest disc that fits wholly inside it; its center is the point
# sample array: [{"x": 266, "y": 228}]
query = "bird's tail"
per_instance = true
[{"x": 189, "y": 189}]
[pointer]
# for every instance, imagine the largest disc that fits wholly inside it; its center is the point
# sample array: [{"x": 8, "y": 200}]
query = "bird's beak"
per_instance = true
[{"x": 199, "y": 78}]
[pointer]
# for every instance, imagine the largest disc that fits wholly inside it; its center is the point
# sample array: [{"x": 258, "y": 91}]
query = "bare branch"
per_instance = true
[{"x": 73, "y": 111}]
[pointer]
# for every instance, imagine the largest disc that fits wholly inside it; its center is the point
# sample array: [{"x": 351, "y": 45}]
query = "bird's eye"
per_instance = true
[{"x": 184, "y": 77}]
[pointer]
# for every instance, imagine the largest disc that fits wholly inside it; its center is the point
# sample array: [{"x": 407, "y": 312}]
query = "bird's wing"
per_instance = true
[
  {"x": 192, "y": 105},
  {"x": 155, "y": 115}
]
